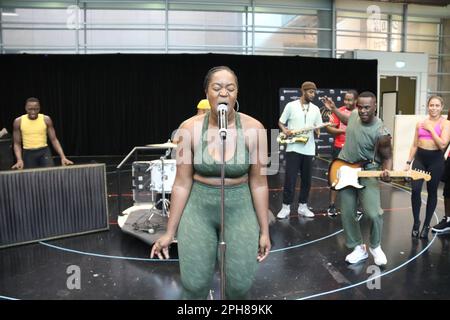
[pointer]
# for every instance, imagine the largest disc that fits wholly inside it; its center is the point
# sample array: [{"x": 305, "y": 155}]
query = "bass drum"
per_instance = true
[{"x": 158, "y": 178}]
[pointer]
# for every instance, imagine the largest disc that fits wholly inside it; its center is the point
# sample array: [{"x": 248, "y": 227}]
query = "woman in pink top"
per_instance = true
[{"x": 431, "y": 138}]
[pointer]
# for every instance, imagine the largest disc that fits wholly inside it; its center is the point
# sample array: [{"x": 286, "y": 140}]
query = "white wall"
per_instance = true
[
  {"x": 404, "y": 129},
  {"x": 416, "y": 65}
]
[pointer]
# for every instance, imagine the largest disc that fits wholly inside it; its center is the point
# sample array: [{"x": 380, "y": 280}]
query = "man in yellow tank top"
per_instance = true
[{"x": 30, "y": 133}]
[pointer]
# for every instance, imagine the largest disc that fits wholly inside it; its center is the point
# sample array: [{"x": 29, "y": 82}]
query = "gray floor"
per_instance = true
[{"x": 306, "y": 262}]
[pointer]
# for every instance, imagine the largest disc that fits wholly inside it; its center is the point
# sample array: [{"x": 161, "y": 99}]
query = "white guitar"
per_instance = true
[
  {"x": 299, "y": 135},
  {"x": 342, "y": 174}
]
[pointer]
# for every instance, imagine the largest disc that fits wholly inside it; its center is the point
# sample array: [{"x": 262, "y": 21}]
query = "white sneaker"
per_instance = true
[
  {"x": 284, "y": 212},
  {"x": 303, "y": 210},
  {"x": 378, "y": 256},
  {"x": 358, "y": 254}
]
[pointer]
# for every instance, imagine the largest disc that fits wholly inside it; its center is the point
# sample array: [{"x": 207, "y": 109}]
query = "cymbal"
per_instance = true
[{"x": 167, "y": 145}]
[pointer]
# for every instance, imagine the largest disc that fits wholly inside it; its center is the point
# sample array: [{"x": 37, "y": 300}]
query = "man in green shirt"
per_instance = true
[{"x": 367, "y": 140}]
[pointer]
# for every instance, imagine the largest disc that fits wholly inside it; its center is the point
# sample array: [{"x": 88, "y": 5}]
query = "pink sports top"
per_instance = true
[{"x": 426, "y": 135}]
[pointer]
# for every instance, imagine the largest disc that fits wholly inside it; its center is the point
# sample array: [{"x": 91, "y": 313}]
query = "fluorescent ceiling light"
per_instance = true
[{"x": 400, "y": 64}]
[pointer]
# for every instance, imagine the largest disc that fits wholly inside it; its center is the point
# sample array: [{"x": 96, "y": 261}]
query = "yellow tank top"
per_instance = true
[{"x": 34, "y": 132}]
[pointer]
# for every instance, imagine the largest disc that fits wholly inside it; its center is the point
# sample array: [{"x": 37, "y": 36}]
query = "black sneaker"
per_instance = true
[
  {"x": 442, "y": 226},
  {"x": 359, "y": 215},
  {"x": 331, "y": 211}
]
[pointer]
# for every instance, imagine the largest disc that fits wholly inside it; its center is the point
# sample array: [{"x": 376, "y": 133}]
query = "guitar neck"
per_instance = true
[{"x": 376, "y": 174}]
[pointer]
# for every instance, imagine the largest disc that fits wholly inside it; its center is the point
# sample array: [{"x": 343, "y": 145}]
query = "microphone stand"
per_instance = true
[{"x": 222, "y": 244}]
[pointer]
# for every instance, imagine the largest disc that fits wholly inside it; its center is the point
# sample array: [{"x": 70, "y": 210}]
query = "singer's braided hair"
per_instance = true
[{"x": 214, "y": 70}]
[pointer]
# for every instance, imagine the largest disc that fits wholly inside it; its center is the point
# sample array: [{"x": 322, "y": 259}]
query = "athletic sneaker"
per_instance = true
[
  {"x": 303, "y": 210},
  {"x": 332, "y": 212},
  {"x": 359, "y": 215},
  {"x": 378, "y": 256},
  {"x": 442, "y": 226},
  {"x": 284, "y": 212},
  {"x": 358, "y": 254}
]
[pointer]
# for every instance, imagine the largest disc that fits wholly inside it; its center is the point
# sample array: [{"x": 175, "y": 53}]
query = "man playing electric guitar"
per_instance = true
[{"x": 366, "y": 139}]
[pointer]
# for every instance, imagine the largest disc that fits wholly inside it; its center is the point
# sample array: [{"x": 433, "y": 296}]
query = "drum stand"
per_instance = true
[{"x": 165, "y": 202}]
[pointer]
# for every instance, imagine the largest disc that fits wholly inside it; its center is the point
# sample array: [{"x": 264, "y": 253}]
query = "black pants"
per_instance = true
[
  {"x": 294, "y": 163},
  {"x": 37, "y": 158},
  {"x": 431, "y": 161},
  {"x": 446, "y": 179}
]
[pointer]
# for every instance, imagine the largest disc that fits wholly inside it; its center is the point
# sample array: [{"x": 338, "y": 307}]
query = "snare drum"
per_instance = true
[{"x": 170, "y": 170}]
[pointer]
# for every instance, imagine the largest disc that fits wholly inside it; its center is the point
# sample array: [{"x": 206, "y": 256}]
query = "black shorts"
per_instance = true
[{"x": 37, "y": 158}]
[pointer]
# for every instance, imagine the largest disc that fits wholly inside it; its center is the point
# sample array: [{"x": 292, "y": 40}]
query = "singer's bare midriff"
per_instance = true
[{"x": 217, "y": 181}]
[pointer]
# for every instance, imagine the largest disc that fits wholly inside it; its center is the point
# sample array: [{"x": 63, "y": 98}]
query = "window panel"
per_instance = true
[
  {"x": 125, "y": 39},
  {"x": 39, "y": 38},
  {"x": 40, "y": 16},
  {"x": 205, "y": 18},
  {"x": 205, "y": 39},
  {"x": 431, "y": 47},
  {"x": 124, "y": 18}
]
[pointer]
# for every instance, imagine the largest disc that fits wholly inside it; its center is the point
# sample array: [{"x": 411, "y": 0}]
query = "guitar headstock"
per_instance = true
[{"x": 419, "y": 174}]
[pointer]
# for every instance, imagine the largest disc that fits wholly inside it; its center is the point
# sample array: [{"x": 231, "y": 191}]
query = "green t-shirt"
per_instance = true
[{"x": 361, "y": 139}]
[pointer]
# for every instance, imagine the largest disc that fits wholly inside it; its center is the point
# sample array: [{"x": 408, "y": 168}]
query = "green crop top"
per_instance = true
[{"x": 237, "y": 166}]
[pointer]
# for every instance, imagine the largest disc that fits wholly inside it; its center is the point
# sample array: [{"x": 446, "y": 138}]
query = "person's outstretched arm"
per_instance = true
[
  {"x": 329, "y": 104},
  {"x": 55, "y": 142}
]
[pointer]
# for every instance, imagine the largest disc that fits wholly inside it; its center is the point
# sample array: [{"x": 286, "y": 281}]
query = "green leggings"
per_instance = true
[
  {"x": 369, "y": 198},
  {"x": 198, "y": 237}
]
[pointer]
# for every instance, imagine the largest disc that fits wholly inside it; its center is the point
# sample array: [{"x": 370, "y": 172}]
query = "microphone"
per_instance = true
[{"x": 222, "y": 115}]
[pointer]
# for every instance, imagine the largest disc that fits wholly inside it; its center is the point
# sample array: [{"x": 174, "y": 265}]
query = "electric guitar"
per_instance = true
[
  {"x": 299, "y": 135},
  {"x": 343, "y": 174}
]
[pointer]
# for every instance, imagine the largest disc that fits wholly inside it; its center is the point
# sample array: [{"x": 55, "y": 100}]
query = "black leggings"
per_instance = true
[
  {"x": 431, "y": 161},
  {"x": 446, "y": 179}
]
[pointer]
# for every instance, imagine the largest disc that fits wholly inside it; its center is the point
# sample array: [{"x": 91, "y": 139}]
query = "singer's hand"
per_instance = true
[
  {"x": 161, "y": 247},
  {"x": 264, "y": 247}
]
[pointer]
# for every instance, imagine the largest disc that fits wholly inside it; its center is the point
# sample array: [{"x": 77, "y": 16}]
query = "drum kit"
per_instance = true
[{"x": 147, "y": 219}]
